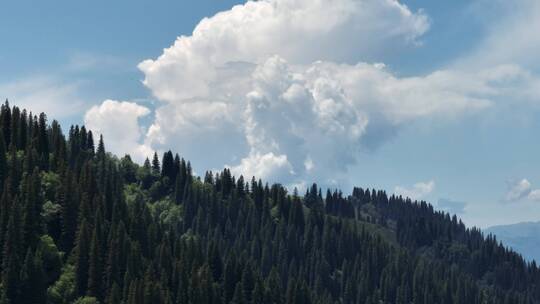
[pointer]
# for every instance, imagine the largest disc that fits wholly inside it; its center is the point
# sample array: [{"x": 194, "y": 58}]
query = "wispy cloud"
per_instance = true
[
  {"x": 56, "y": 97},
  {"x": 451, "y": 206},
  {"x": 80, "y": 61}
]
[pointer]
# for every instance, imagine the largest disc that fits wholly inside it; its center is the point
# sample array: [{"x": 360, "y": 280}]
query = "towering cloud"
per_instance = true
[
  {"x": 299, "y": 31},
  {"x": 283, "y": 89}
]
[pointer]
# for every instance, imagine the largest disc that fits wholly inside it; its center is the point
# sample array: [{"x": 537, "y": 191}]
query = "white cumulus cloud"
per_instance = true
[
  {"x": 534, "y": 195},
  {"x": 118, "y": 122},
  {"x": 522, "y": 190},
  {"x": 518, "y": 190},
  {"x": 417, "y": 191},
  {"x": 249, "y": 84},
  {"x": 300, "y": 31},
  {"x": 268, "y": 165}
]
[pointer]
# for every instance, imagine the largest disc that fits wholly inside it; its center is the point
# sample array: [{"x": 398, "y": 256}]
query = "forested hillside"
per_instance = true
[{"x": 78, "y": 224}]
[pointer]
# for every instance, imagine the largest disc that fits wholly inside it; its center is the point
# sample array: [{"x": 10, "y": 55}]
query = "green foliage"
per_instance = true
[
  {"x": 128, "y": 169},
  {"x": 50, "y": 182},
  {"x": 51, "y": 258},
  {"x": 166, "y": 212},
  {"x": 81, "y": 258},
  {"x": 3, "y": 159},
  {"x": 132, "y": 193},
  {"x": 63, "y": 290},
  {"x": 52, "y": 216},
  {"x": 86, "y": 300}
]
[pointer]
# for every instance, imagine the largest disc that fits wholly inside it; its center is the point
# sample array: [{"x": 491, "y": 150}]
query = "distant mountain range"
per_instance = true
[{"x": 522, "y": 237}]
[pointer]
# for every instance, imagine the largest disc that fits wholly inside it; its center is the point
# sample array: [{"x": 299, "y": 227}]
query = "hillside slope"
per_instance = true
[
  {"x": 522, "y": 237},
  {"x": 78, "y": 224}
]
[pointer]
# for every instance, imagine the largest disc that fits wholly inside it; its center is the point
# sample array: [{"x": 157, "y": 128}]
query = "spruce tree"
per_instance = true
[
  {"x": 90, "y": 143},
  {"x": 95, "y": 267},
  {"x": 32, "y": 209},
  {"x": 248, "y": 283},
  {"x": 3, "y": 161},
  {"x": 167, "y": 166},
  {"x": 5, "y": 117},
  {"x": 11, "y": 262},
  {"x": 81, "y": 258},
  {"x": 101, "y": 148},
  {"x": 69, "y": 212},
  {"x": 155, "y": 164},
  {"x": 43, "y": 142},
  {"x": 33, "y": 279},
  {"x": 5, "y": 207}
]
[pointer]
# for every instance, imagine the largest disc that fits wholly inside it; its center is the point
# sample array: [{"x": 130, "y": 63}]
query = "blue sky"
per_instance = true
[{"x": 452, "y": 116}]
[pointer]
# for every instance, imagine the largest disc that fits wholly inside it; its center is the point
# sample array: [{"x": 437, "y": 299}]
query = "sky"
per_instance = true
[{"x": 436, "y": 100}]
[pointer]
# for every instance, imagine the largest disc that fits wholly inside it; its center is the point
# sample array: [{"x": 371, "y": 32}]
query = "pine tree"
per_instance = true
[
  {"x": 238, "y": 297},
  {"x": 167, "y": 166},
  {"x": 11, "y": 262},
  {"x": 275, "y": 291},
  {"x": 3, "y": 161},
  {"x": 115, "y": 295},
  {"x": 5, "y": 207},
  {"x": 215, "y": 262},
  {"x": 95, "y": 267},
  {"x": 90, "y": 143},
  {"x": 179, "y": 189},
  {"x": 258, "y": 296},
  {"x": 27, "y": 273},
  {"x": 230, "y": 278},
  {"x": 248, "y": 283},
  {"x": 32, "y": 209},
  {"x": 5, "y": 117},
  {"x": 101, "y": 148},
  {"x": 33, "y": 279},
  {"x": 67, "y": 199},
  {"x": 81, "y": 258},
  {"x": 43, "y": 142},
  {"x": 155, "y": 164}
]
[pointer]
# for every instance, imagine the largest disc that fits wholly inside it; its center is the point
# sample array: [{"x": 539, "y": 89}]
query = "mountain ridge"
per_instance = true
[{"x": 524, "y": 237}]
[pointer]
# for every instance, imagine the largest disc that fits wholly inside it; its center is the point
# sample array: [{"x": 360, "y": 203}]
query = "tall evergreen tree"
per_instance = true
[
  {"x": 95, "y": 269},
  {"x": 90, "y": 143},
  {"x": 167, "y": 166},
  {"x": 5, "y": 117},
  {"x": 81, "y": 259},
  {"x": 3, "y": 161},
  {"x": 32, "y": 211},
  {"x": 11, "y": 262},
  {"x": 155, "y": 164},
  {"x": 101, "y": 148},
  {"x": 33, "y": 280}
]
